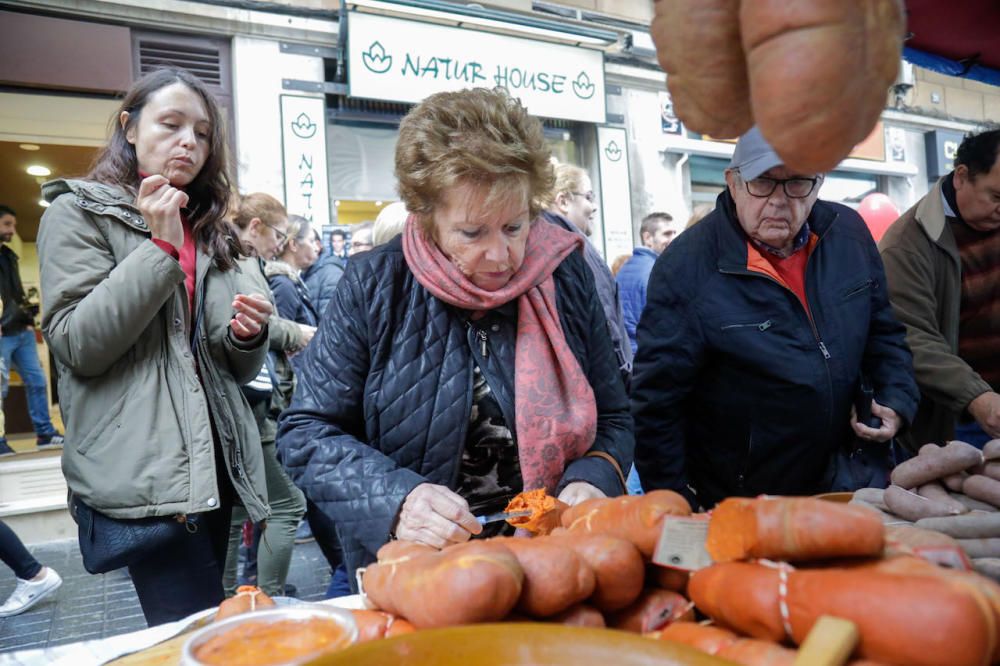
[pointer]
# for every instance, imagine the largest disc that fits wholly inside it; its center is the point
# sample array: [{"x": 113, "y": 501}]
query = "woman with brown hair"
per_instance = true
[
  {"x": 154, "y": 327},
  {"x": 465, "y": 361},
  {"x": 265, "y": 230}
]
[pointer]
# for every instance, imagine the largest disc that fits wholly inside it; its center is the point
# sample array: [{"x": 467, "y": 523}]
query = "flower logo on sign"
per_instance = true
[
  {"x": 583, "y": 87},
  {"x": 613, "y": 152},
  {"x": 376, "y": 59},
  {"x": 303, "y": 127}
]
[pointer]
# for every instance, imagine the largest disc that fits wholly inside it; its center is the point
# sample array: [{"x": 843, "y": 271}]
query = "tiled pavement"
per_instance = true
[{"x": 87, "y": 607}]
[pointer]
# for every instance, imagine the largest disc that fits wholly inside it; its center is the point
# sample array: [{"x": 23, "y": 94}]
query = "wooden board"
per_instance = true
[
  {"x": 517, "y": 644},
  {"x": 167, "y": 653}
]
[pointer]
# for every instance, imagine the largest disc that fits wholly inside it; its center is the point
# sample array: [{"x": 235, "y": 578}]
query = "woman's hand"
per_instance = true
[
  {"x": 252, "y": 313},
  {"x": 436, "y": 516},
  {"x": 580, "y": 491},
  {"x": 160, "y": 205},
  {"x": 890, "y": 424},
  {"x": 307, "y": 332}
]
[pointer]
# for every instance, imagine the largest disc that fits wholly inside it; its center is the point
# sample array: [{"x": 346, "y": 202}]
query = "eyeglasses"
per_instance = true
[
  {"x": 589, "y": 196},
  {"x": 795, "y": 188},
  {"x": 282, "y": 236}
]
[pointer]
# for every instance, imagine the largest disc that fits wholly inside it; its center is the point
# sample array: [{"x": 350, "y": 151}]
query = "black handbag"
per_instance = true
[
  {"x": 111, "y": 543},
  {"x": 864, "y": 465}
]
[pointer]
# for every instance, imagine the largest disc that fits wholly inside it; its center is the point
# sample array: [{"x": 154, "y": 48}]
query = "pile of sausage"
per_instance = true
[
  {"x": 953, "y": 490},
  {"x": 590, "y": 572},
  {"x": 782, "y": 563}
]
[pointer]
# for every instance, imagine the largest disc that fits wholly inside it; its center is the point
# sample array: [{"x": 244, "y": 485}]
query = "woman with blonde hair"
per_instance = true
[
  {"x": 572, "y": 205},
  {"x": 284, "y": 273},
  {"x": 389, "y": 223},
  {"x": 446, "y": 356}
]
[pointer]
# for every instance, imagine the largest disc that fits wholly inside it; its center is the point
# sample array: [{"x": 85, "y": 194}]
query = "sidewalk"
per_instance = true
[{"x": 88, "y": 606}]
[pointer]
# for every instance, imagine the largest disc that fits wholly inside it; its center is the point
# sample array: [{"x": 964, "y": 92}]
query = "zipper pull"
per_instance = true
[
  {"x": 763, "y": 327},
  {"x": 481, "y": 334},
  {"x": 822, "y": 348}
]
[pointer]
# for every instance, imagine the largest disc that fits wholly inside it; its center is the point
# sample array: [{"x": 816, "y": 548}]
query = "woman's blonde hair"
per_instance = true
[
  {"x": 481, "y": 137},
  {"x": 260, "y": 205},
  {"x": 569, "y": 179},
  {"x": 299, "y": 229},
  {"x": 389, "y": 223}
]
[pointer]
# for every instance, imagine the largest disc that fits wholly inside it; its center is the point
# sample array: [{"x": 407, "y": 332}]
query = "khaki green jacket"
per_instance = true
[
  {"x": 139, "y": 421},
  {"x": 924, "y": 271}
]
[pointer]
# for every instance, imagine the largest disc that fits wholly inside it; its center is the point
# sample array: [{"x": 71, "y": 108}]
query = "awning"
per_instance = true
[{"x": 958, "y": 38}]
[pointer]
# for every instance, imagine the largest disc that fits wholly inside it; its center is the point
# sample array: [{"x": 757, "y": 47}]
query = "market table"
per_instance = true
[{"x": 104, "y": 650}]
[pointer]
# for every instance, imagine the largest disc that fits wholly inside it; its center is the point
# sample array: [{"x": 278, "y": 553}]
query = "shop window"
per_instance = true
[
  {"x": 361, "y": 162},
  {"x": 848, "y": 187},
  {"x": 708, "y": 178}
]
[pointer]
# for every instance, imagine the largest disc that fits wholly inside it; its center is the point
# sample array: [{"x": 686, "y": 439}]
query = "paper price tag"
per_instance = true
[{"x": 682, "y": 543}]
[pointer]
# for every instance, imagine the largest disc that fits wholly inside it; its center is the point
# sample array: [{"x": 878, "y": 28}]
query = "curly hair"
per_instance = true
[
  {"x": 481, "y": 137},
  {"x": 209, "y": 192},
  {"x": 979, "y": 152}
]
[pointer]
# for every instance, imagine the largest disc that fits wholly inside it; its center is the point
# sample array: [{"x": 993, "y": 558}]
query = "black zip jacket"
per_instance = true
[
  {"x": 15, "y": 318},
  {"x": 736, "y": 390}
]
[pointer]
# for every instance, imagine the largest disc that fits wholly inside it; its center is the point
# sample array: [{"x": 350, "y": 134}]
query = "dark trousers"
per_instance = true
[
  {"x": 15, "y": 555},
  {"x": 186, "y": 576},
  {"x": 325, "y": 532}
]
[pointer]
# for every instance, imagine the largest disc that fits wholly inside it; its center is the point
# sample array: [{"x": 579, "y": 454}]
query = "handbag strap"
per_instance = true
[{"x": 614, "y": 463}]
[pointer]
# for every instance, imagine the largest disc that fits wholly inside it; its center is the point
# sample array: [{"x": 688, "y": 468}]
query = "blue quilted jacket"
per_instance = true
[
  {"x": 632, "y": 280},
  {"x": 385, "y": 393}
]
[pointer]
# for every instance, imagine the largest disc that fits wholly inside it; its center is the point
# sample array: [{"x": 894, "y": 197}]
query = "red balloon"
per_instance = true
[{"x": 878, "y": 212}]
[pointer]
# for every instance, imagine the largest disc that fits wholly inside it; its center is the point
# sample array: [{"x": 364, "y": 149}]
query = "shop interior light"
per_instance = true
[
  {"x": 378, "y": 203},
  {"x": 29, "y": 146},
  {"x": 43, "y": 203},
  {"x": 38, "y": 170},
  {"x": 495, "y": 20},
  {"x": 336, "y": 203}
]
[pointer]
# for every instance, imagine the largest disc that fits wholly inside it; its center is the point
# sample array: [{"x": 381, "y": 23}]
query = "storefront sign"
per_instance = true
[
  {"x": 616, "y": 195},
  {"x": 942, "y": 146},
  {"x": 896, "y": 138},
  {"x": 405, "y": 61},
  {"x": 303, "y": 145},
  {"x": 669, "y": 122}
]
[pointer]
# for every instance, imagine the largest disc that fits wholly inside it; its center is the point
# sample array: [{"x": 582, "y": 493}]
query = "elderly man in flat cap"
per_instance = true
[{"x": 766, "y": 324}]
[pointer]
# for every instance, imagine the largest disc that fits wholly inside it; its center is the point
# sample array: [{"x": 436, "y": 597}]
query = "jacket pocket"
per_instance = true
[
  {"x": 99, "y": 429},
  {"x": 741, "y": 326},
  {"x": 858, "y": 289}
]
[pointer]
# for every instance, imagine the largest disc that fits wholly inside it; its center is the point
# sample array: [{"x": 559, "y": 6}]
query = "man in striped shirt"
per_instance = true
[{"x": 942, "y": 260}]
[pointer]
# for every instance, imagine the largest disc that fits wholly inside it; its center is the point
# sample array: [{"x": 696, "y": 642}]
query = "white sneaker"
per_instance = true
[{"x": 28, "y": 593}]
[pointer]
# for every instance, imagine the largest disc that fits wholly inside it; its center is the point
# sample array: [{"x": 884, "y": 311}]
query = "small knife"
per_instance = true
[{"x": 497, "y": 517}]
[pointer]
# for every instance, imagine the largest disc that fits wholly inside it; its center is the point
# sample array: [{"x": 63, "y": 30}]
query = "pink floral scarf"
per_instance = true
[{"x": 554, "y": 405}]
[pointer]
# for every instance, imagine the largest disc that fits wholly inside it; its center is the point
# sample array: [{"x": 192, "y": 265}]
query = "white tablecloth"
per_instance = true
[{"x": 103, "y": 650}]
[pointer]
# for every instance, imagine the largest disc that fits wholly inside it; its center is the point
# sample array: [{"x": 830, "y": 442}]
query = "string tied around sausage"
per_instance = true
[{"x": 784, "y": 568}]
